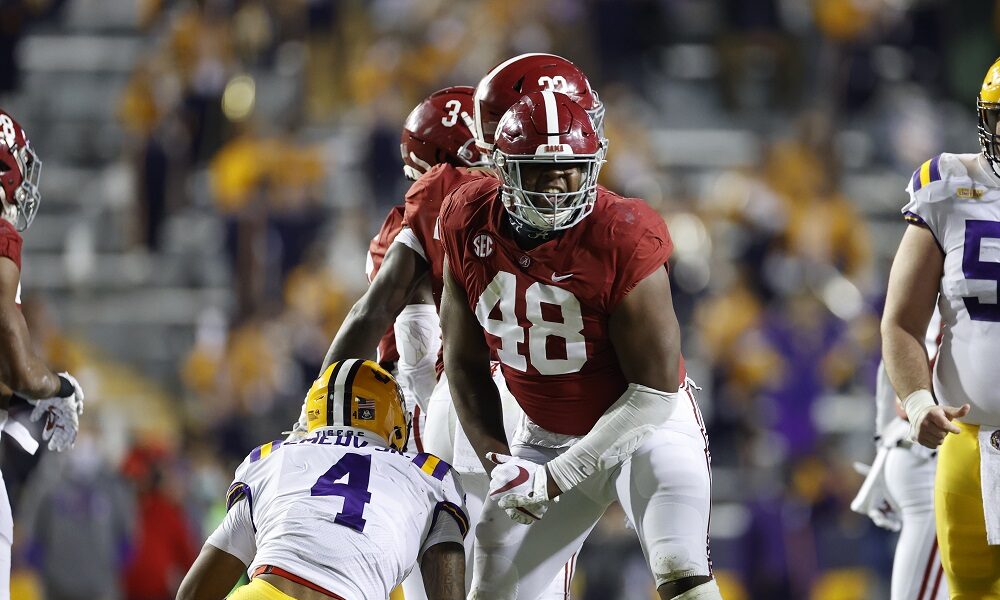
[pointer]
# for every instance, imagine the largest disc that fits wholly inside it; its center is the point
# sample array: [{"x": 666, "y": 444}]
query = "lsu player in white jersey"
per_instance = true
[
  {"x": 342, "y": 513},
  {"x": 898, "y": 492},
  {"x": 952, "y": 246}
]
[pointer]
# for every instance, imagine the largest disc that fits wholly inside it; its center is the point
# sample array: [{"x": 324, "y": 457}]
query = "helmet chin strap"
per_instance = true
[{"x": 527, "y": 231}]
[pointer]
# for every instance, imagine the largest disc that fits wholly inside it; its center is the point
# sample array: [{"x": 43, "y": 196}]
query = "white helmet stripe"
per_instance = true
[
  {"x": 336, "y": 389},
  {"x": 551, "y": 117}
]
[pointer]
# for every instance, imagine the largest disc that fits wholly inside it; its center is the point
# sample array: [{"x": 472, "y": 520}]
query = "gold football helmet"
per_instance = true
[
  {"x": 988, "y": 106},
  {"x": 359, "y": 393}
]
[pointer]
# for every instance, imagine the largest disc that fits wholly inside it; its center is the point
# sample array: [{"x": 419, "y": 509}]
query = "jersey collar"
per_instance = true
[{"x": 357, "y": 432}]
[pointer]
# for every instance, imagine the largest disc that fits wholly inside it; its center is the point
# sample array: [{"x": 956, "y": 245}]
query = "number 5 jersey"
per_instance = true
[
  {"x": 957, "y": 197},
  {"x": 341, "y": 511}
]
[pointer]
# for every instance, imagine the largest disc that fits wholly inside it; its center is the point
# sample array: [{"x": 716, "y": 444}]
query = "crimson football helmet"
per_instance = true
[
  {"x": 547, "y": 128},
  {"x": 507, "y": 82},
  {"x": 19, "y": 173},
  {"x": 439, "y": 130}
]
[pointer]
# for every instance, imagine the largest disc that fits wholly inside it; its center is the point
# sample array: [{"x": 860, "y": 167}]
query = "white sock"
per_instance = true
[{"x": 706, "y": 591}]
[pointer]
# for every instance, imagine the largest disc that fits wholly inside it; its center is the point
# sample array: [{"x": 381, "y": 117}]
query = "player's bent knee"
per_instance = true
[{"x": 706, "y": 591}]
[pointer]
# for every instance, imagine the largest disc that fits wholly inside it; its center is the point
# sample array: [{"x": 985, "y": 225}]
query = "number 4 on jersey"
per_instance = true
[
  {"x": 501, "y": 294},
  {"x": 357, "y": 468}
]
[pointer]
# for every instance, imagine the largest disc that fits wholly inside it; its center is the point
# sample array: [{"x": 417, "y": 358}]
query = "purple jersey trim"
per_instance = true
[
  {"x": 256, "y": 454},
  {"x": 440, "y": 470},
  {"x": 935, "y": 173},
  {"x": 914, "y": 219},
  {"x": 238, "y": 491},
  {"x": 456, "y": 513}
]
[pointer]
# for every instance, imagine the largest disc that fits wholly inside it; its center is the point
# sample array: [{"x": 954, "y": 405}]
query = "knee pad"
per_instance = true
[
  {"x": 706, "y": 591},
  {"x": 670, "y": 562}
]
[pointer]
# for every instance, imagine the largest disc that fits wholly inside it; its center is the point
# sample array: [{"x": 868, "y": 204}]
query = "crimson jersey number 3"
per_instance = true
[{"x": 502, "y": 293}]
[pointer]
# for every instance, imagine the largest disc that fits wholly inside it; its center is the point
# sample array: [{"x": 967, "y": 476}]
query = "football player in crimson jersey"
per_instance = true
[
  {"x": 568, "y": 281},
  {"x": 415, "y": 251},
  {"x": 23, "y": 377}
]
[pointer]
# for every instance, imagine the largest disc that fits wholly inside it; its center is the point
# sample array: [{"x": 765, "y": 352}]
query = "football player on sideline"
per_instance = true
[
  {"x": 569, "y": 283},
  {"x": 23, "y": 377},
  {"x": 951, "y": 247},
  {"x": 283, "y": 525}
]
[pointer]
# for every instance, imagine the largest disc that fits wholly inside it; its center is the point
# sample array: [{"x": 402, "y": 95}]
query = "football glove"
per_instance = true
[
  {"x": 874, "y": 499},
  {"x": 520, "y": 487},
  {"x": 62, "y": 414}
]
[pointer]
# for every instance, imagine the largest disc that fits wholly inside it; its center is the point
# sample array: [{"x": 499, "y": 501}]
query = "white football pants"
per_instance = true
[
  {"x": 664, "y": 488},
  {"x": 916, "y": 569}
]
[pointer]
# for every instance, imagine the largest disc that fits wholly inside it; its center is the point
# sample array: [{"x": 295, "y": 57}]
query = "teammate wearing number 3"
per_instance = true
[
  {"x": 342, "y": 513},
  {"x": 569, "y": 283},
  {"x": 950, "y": 253}
]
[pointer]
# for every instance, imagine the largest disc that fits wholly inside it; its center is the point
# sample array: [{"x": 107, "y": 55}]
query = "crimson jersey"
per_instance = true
[
  {"x": 423, "y": 205},
  {"x": 545, "y": 311},
  {"x": 379, "y": 245},
  {"x": 10, "y": 247}
]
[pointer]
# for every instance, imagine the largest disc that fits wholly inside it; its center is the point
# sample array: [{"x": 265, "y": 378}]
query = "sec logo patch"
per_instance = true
[
  {"x": 482, "y": 245},
  {"x": 995, "y": 440}
]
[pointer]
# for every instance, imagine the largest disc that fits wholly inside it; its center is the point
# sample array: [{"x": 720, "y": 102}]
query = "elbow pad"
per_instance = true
[
  {"x": 418, "y": 341},
  {"x": 615, "y": 436}
]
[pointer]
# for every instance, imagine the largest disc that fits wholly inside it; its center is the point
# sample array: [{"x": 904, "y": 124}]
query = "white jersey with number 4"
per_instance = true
[
  {"x": 341, "y": 511},
  {"x": 957, "y": 197}
]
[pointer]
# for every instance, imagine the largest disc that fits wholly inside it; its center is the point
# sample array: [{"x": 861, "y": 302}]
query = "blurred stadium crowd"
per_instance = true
[{"x": 214, "y": 170}]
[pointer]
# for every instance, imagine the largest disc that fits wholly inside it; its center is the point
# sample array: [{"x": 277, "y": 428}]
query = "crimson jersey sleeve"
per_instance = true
[
  {"x": 646, "y": 246},
  {"x": 456, "y": 214},
  {"x": 387, "y": 353},
  {"x": 382, "y": 240},
  {"x": 10, "y": 242},
  {"x": 423, "y": 208}
]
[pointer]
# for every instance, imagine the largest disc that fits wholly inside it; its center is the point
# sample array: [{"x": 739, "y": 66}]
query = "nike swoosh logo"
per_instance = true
[
  {"x": 522, "y": 476},
  {"x": 558, "y": 278}
]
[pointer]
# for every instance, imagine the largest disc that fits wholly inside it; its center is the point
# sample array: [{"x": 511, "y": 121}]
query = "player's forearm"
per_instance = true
[
  {"x": 359, "y": 334},
  {"x": 20, "y": 369},
  {"x": 443, "y": 570},
  {"x": 905, "y": 359},
  {"x": 619, "y": 431},
  {"x": 28, "y": 376},
  {"x": 373, "y": 314},
  {"x": 477, "y": 402}
]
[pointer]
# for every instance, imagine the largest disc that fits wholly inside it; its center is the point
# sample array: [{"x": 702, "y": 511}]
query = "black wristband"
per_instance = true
[{"x": 66, "y": 388}]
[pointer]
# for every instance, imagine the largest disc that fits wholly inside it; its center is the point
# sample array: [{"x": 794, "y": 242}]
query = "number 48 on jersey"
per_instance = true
[{"x": 501, "y": 296}]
